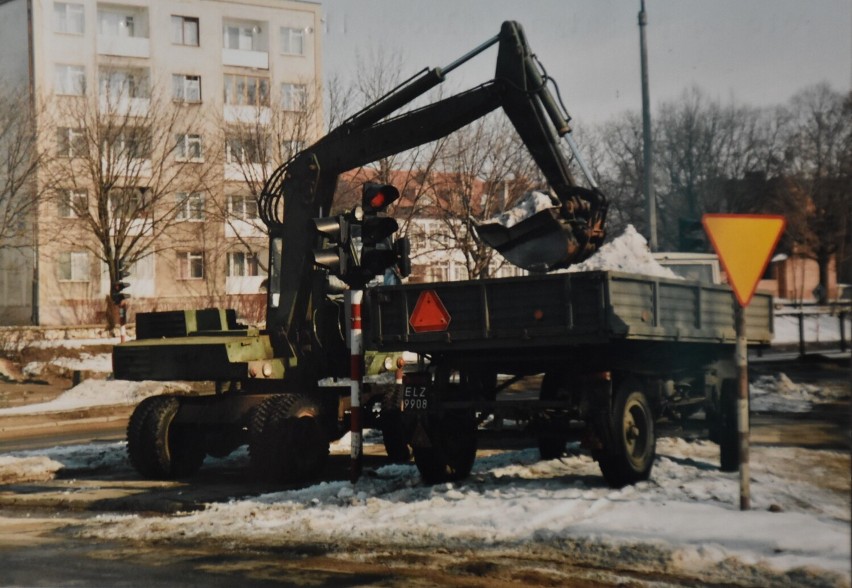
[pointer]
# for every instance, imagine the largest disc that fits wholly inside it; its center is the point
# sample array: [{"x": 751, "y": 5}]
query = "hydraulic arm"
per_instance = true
[{"x": 304, "y": 187}]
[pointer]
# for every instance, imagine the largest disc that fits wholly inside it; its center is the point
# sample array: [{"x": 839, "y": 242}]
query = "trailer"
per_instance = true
[{"x": 617, "y": 352}]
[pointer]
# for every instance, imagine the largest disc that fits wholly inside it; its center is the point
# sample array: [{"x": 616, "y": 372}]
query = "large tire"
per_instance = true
[
  {"x": 393, "y": 430},
  {"x": 726, "y": 427},
  {"x": 287, "y": 440},
  {"x": 551, "y": 437},
  {"x": 452, "y": 449},
  {"x": 157, "y": 447},
  {"x": 630, "y": 442}
]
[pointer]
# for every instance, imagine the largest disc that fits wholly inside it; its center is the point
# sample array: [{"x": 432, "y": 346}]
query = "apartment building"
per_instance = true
[{"x": 158, "y": 119}]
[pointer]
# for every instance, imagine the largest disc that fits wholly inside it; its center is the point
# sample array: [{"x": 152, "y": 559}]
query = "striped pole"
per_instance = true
[
  {"x": 742, "y": 406},
  {"x": 356, "y": 370}
]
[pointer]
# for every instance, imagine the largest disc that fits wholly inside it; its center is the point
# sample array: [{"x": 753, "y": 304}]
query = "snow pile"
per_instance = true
[
  {"x": 34, "y": 468},
  {"x": 100, "y": 363},
  {"x": 532, "y": 203},
  {"x": 778, "y": 393},
  {"x": 99, "y": 393},
  {"x": 686, "y": 517},
  {"x": 628, "y": 252}
]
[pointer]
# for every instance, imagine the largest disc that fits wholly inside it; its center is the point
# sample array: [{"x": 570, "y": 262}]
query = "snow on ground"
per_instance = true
[
  {"x": 628, "y": 252},
  {"x": 98, "y": 393},
  {"x": 32, "y": 468},
  {"x": 100, "y": 363},
  {"x": 778, "y": 393},
  {"x": 685, "y": 518}
]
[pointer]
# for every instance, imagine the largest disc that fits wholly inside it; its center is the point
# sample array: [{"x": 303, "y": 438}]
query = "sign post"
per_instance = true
[{"x": 744, "y": 244}]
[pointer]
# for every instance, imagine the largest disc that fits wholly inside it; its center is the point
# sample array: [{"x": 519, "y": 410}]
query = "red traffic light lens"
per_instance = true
[{"x": 378, "y": 200}]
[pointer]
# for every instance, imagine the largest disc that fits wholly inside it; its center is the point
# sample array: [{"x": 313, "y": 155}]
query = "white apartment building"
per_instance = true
[{"x": 213, "y": 69}]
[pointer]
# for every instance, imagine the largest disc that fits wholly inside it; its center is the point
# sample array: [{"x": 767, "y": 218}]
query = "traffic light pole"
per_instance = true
[{"x": 356, "y": 370}]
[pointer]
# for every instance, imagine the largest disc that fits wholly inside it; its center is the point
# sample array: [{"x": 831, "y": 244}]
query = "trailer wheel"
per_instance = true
[
  {"x": 630, "y": 443},
  {"x": 551, "y": 437},
  {"x": 288, "y": 442},
  {"x": 726, "y": 427},
  {"x": 157, "y": 447},
  {"x": 393, "y": 430},
  {"x": 451, "y": 451}
]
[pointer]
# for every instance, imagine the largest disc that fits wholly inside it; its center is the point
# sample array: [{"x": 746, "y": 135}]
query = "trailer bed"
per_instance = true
[{"x": 564, "y": 309}]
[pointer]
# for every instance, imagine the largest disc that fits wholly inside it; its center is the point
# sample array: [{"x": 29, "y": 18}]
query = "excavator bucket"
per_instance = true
[{"x": 544, "y": 239}]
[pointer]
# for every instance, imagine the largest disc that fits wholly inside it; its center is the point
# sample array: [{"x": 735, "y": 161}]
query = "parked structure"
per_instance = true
[{"x": 216, "y": 69}]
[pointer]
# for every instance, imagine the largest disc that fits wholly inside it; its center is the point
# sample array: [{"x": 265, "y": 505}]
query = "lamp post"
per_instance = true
[{"x": 648, "y": 189}]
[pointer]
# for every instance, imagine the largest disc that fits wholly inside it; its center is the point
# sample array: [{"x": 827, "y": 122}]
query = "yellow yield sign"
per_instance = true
[{"x": 744, "y": 244}]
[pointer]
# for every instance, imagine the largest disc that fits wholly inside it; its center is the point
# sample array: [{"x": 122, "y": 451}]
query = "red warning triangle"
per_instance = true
[
  {"x": 429, "y": 313},
  {"x": 744, "y": 244}
]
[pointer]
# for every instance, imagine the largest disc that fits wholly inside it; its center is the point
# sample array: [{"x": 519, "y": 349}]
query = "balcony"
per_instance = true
[
  {"x": 123, "y": 31},
  {"x": 243, "y": 284},
  {"x": 243, "y": 58},
  {"x": 244, "y": 228},
  {"x": 245, "y": 44},
  {"x": 124, "y": 46},
  {"x": 248, "y": 115}
]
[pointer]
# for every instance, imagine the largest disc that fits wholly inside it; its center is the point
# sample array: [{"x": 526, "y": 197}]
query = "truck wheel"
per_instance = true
[
  {"x": 551, "y": 438},
  {"x": 630, "y": 443},
  {"x": 452, "y": 449},
  {"x": 157, "y": 447},
  {"x": 288, "y": 442},
  {"x": 393, "y": 430},
  {"x": 726, "y": 427}
]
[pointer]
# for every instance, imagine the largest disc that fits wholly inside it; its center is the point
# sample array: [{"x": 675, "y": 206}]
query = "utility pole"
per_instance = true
[{"x": 648, "y": 189}]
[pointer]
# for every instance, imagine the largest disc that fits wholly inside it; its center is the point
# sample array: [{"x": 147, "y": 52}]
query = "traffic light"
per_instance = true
[
  {"x": 117, "y": 293},
  {"x": 376, "y": 198},
  {"x": 691, "y": 235},
  {"x": 337, "y": 258},
  {"x": 378, "y": 249}
]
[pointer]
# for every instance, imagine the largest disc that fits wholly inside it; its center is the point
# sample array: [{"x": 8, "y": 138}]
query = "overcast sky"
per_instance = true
[{"x": 758, "y": 52}]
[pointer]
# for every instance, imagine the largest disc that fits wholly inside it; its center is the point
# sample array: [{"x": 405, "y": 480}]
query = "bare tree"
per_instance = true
[
  {"x": 484, "y": 169},
  {"x": 819, "y": 158},
  {"x": 129, "y": 165},
  {"x": 20, "y": 158},
  {"x": 256, "y": 141}
]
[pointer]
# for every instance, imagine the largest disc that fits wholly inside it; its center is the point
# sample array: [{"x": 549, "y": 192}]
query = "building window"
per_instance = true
[
  {"x": 242, "y": 37},
  {"x": 242, "y": 207},
  {"x": 73, "y": 203},
  {"x": 130, "y": 143},
  {"x": 68, "y": 18},
  {"x": 292, "y": 41},
  {"x": 185, "y": 30},
  {"x": 70, "y": 142},
  {"x": 243, "y": 264},
  {"x": 438, "y": 272},
  {"x": 291, "y": 147},
  {"x": 294, "y": 97},
  {"x": 188, "y": 147},
  {"x": 190, "y": 265},
  {"x": 244, "y": 150},
  {"x": 190, "y": 206},
  {"x": 115, "y": 24},
  {"x": 116, "y": 84},
  {"x": 246, "y": 90},
  {"x": 74, "y": 266},
  {"x": 128, "y": 203},
  {"x": 70, "y": 80},
  {"x": 186, "y": 88}
]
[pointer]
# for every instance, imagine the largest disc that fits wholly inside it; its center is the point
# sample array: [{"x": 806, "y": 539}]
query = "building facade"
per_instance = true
[{"x": 159, "y": 122}]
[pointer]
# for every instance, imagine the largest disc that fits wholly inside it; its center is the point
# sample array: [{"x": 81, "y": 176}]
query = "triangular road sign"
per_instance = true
[{"x": 744, "y": 244}]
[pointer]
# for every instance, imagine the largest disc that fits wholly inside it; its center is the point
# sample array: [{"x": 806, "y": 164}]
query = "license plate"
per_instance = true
[{"x": 415, "y": 395}]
